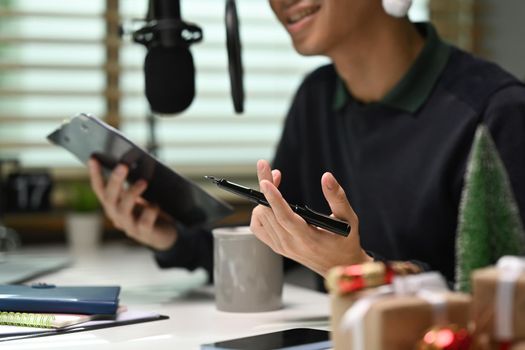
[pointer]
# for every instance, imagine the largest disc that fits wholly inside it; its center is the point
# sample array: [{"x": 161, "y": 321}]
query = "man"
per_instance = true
[{"x": 392, "y": 119}]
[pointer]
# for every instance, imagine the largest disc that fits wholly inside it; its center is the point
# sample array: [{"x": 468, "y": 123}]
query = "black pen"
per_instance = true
[{"x": 310, "y": 216}]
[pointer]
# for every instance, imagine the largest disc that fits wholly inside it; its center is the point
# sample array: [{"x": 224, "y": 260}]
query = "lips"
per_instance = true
[
  {"x": 301, "y": 13},
  {"x": 299, "y": 17}
]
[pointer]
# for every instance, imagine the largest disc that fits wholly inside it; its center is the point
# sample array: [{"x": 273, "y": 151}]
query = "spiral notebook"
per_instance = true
[
  {"x": 44, "y": 320},
  {"x": 12, "y": 332}
]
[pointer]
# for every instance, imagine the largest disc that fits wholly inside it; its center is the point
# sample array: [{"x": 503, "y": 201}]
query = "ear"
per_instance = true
[{"x": 397, "y": 8}]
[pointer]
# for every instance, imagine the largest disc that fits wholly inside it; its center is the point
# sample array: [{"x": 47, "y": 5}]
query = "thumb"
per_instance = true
[{"x": 336, "y": 198}]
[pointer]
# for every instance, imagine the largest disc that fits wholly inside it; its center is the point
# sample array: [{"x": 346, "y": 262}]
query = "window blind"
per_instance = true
[
  {"x": 209, "y": 137},
  {"x": 54, "y": 64},
  {"x": 58, "y": 58}
]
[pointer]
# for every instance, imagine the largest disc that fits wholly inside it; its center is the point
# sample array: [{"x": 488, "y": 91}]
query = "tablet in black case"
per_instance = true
[{"x": 87, "y": 136}]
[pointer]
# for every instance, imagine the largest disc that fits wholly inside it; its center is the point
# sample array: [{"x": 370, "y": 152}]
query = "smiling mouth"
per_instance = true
[{"x": 303, "y": 13}]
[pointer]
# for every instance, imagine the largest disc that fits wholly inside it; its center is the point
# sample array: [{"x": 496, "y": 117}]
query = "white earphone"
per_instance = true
[{"x": 397, "y": 8}]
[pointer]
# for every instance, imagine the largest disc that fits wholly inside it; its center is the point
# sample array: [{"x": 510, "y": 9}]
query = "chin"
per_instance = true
[{"x": 307, "y": 50}]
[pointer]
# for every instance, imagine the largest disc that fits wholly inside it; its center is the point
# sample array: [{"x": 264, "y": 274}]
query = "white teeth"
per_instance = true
[{"x": 302, "y": 14}]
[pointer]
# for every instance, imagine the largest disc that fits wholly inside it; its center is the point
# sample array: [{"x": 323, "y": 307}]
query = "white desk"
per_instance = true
[{"x": 193, "y": 317}]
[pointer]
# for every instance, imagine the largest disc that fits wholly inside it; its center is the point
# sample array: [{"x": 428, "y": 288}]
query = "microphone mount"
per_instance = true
[{"x": 167, "y": 33}]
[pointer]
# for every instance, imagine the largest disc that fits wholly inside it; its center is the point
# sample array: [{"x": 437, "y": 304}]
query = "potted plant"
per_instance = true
[{"x": 83, "y": 221}]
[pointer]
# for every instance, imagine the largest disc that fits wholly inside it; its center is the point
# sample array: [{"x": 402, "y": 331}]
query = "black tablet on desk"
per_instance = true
[{"x": 87, "y": 136}]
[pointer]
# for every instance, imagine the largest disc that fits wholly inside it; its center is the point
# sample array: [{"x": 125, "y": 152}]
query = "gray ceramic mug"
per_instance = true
[{"x": 248, "y": 275}]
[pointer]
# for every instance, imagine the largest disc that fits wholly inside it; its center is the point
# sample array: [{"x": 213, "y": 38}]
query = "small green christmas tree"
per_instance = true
[{"x": 489, "y": 221}]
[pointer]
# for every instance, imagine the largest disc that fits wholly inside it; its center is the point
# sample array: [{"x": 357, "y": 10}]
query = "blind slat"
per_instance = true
[{"x": 36, "y": 93}]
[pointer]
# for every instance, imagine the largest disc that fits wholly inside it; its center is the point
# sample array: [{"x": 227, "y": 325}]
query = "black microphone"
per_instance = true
[
  {"x": 168, "y": 68},
  {"x": 169, "y": 79}
]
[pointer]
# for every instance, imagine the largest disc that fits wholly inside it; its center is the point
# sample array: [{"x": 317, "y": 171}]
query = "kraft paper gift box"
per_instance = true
[
  {"x": 347, "y": 284},
  {"x": 339, "y": 305},
  {"x": 515, "y": 346},
  {"x": 483, "y": 342},
  {"x": 397, "y": 317},
  {"x": 498, "y": 304}
]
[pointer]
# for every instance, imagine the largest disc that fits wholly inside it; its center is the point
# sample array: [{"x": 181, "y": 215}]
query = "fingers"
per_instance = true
[
  {"x": 337, "y": 200},
  {"x": 117, "y": 202},
  {"x": 276, "y": 176},
  {"x": 141, "y": 227},
  {"x": 95, "y": 178},
  {"x": 146, "y": 221},
  {"x": 115, "y": 183},
  {"x": 129, "y": 211},
  {"x": 281, "y": 209},
  {"x": 289, "y": 235},
  {"x": 129, "y": 198},
  {"x": 264, "y": 171},
  {"x": 261, "y": 227}
]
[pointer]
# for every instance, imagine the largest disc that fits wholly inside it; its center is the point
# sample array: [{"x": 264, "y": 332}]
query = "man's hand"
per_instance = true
[
  {"x": 128, "y": 211},
  {"x": 289, "y": 235}
]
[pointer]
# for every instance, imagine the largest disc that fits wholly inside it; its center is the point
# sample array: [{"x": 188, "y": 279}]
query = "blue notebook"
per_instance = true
[{"x": 58, "y": 299}]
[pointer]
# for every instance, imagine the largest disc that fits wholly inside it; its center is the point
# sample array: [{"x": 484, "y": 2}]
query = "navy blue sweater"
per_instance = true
[{"x": 402, "y": 170}]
